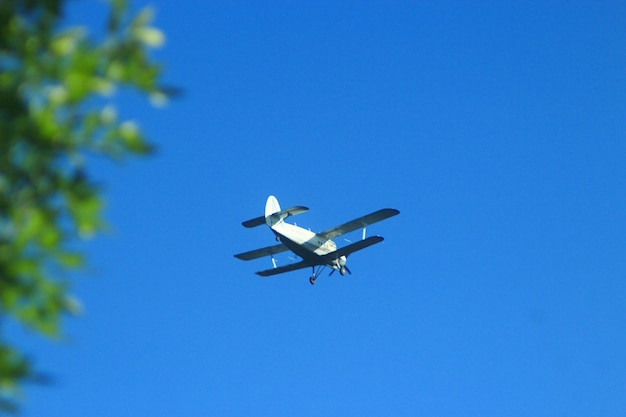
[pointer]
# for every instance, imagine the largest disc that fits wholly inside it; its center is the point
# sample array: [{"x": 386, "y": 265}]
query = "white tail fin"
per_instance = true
[{"x": 271, "y": 206}]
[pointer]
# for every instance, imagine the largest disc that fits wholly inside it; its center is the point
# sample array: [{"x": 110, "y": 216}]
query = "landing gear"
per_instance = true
[
  {"x": 343, "y": 270},
  {"x": 316, "y": 273}
]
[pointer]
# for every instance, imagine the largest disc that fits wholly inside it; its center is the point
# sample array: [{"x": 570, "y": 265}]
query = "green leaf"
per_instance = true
[
  {"x": 70, "y": 260},
  {"x": 66, "y": 42},
  {"x": 150, "y": 36}
]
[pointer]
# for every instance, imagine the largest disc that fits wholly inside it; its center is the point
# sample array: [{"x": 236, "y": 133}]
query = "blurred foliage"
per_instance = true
[{"x": 57, "y": 87}]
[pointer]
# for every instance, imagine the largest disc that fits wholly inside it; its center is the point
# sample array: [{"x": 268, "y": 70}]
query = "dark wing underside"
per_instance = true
[
  {"x": 347, "y": 250},
  {"x": 259, "y": 253},
  {"x": 283, "y": 269},
  {"x": 359, "y": 223}
]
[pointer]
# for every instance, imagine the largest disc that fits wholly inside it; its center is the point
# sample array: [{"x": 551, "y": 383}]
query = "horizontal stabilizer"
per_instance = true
[
  {"x": 283, "y": 214},
  {"x": 359, "y": 223},
  {"x": 283, "y": 269},
  {"x": 276, "y": 217},
  {"x": 347, "y": 250},
  {"x": 259, "y": 253},
  {"x": 257, "y": 221}
]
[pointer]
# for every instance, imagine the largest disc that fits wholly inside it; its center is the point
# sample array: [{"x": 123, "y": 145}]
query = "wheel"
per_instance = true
[{"x": 312, "y": 280}]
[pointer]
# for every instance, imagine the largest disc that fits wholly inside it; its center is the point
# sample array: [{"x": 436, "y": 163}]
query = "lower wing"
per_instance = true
[
  {"x": 283, "y": 269},
  {"x": 326, "y": 259},
  {"x": 347, "y": 250},
  {"x": 258, "y": 253}
]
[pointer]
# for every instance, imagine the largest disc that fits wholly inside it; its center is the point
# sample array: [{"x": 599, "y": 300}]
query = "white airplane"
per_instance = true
[{"x": 317, "y": 250}]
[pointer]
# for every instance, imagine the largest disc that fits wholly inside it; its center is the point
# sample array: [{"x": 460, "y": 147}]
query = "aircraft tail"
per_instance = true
[{"x": 274, "y": 216}]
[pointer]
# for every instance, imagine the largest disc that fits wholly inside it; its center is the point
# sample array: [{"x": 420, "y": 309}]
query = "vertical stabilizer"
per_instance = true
[{"x": 271, "y": 206}]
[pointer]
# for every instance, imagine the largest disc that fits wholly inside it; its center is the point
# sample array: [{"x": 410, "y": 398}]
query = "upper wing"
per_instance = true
[
  {"x": 258, "y": 253},
  {"x": 282, "y": 269},
  {"x": 359, "y": 223},
  {"x": 347, "y": 250}
]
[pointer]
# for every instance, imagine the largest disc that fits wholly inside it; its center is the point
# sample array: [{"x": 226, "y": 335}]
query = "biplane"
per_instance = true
[{"x": 317, "y": 250}]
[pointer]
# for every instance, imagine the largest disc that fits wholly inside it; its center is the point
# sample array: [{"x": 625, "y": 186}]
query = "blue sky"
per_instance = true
[{"x": 496, "y": 128}]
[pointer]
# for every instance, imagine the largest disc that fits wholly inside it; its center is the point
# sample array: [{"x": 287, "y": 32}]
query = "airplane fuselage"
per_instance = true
[{"x": 305, "y": 243}]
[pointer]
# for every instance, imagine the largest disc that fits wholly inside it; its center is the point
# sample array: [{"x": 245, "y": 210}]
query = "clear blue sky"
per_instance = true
[{"x": 496, "y": 128}]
